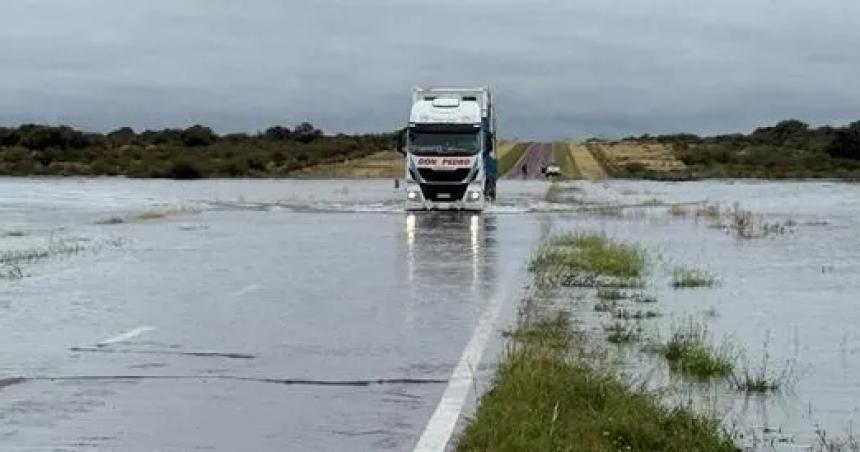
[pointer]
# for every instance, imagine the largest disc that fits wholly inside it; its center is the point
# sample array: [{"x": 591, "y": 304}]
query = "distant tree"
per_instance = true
[
  {"x": 790, "y": 126},
  {"x": 9, "y": 136},
  {"x": 777, "y": 135},
  {"x": 123, "y": 135},
  {"x": 198, "y": 135},
  {"x": 164, "y": 136},
  {"x": 44, "y": 137},
  {"x": 846, "y": 142},
  {"x": 277, "y": 133},
  {"x": 73, "y": 139},
  {"x": 306, "y": 132},
  {"x": 236, "y": 137}
]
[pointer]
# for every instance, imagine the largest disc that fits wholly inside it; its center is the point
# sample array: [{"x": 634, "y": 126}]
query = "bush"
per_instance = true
[
  {"x": 846, "y": 142},
  {"x": 9, "y": 137},
  {"x": 123, "y": 135},
  {"x": 183, "y": 169},
  {"x": 44, "y": 137},
  {"x": 198, "y": 136},
  {"x": 277, "y": 133},
  {"x": 305, "y": 133}
]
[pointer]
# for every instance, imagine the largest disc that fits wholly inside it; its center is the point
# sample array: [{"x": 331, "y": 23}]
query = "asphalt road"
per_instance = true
[{"x": 536, "y": 156}]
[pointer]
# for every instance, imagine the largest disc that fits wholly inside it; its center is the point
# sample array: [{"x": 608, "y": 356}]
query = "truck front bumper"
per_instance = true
[{"x": 415, "y": 200}]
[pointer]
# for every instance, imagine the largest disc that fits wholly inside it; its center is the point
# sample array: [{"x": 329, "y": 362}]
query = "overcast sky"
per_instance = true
[{"x": 559, "y": 68}]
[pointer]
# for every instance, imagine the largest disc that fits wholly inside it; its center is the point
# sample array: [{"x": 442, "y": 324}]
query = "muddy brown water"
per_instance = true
[{"x": 316, "y": 315}]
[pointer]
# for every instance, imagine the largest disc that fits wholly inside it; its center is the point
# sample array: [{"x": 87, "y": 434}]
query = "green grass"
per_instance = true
[
  {"x": 562, "y": 157},
  {"x": 622, "y": 333},
  {"x": 754, "y": 383},
  {"x": 610, "y": 293},
  {"x": 589, "y": 253},
  {"x": 643, "y": 298},
  {"x": 547, "y": 397},
  {"x": 510, "y": 158},
  {"x": 690, "y": 351},
  {"x": 156, "y": 213},
  {"x": 690, "y": 277},
  {"x": 626, "y": 314},
  {"x": 605, "y": 306},
  {"x": 760, "y": 379}
]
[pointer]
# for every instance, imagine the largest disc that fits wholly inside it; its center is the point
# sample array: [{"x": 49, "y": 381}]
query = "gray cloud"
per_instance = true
[{"x": 559, "y": 68}]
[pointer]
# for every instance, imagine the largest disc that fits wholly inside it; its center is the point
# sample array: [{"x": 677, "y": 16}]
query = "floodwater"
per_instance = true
[
  {"x": 787, "y": 300},
  {"x": 316, "y": 315},
  {"x": 255, "y": 315}
]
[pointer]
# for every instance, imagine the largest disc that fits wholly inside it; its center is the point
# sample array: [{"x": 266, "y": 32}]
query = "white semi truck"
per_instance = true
[{"x": 449, "y": 146}]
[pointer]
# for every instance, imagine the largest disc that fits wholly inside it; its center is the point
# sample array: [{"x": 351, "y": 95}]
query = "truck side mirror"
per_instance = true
[{"x": 400, "y": 137}]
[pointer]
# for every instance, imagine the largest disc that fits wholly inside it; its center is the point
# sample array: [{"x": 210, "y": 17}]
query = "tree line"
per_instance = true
[
  {"x": 39, "y": 137},
  {"x": 195, "y": 151},
  {"x": 790, "y": 148}
]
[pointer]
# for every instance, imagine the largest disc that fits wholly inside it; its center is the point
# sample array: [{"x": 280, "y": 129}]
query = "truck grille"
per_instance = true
[
  {"x": 431, "y": 175},
  {"x": 444, "y": 193}
]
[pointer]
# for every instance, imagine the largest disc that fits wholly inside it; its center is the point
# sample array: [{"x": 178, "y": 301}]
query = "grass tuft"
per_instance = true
[
  {"x": 610, "y": 293},
  {"x": 626, "y": 314},
  {"x": 622, "y": 333},
  {"x": 760, "y": 379},
  {"x": 690, "y": 351},
  {"x": 605, "y": 306},
  {"x": 110, "y": 220},
  {"x": 582, "y": 259},
  {"x": 643, "y": 298},
  {"x": 691, "y": 277},
  {"x": 157, "y": 213}
]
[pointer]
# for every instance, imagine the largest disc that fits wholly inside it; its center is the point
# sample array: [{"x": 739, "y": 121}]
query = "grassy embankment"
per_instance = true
[
  {"x": 194, "y": 152},
  {"x": 551, "y": 392},
  {"x": 511, "y": 157},
  {"x": 561, "y": 156}
]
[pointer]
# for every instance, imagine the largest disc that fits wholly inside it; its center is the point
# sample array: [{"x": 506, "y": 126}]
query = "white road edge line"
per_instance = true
[
  {"x": 126, "y": 336},
  {"x": 441, "y": 426}
]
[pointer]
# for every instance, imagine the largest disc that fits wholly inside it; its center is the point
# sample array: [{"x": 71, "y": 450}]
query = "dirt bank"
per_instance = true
[{"x": 386, "y": 164}]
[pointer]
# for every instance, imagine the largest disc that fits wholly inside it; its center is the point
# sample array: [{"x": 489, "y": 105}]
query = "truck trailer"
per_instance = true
[{"x": 449, "y": 145}]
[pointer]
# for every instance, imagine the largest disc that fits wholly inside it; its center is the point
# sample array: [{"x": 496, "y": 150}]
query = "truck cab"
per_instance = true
[{"x": 447, "y": 144}]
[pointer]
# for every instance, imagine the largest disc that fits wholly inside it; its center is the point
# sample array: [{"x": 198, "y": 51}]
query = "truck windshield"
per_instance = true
[{"x": 443, "y": 143}]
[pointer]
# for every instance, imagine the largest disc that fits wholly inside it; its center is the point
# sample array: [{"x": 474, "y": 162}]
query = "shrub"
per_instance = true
[
  {"x": 183, "y": 169},
  {"x": 198, "y": 136},
  {"x": 690, "y": 351}
]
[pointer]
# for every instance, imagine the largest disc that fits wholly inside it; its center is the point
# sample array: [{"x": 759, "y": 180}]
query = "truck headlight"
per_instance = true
[
  {"x": 474, "y": 195},
  {"x": 412, "y": 195}
]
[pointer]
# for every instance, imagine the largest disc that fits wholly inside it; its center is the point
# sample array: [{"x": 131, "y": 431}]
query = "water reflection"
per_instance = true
[{"x": 449, "y": 247}]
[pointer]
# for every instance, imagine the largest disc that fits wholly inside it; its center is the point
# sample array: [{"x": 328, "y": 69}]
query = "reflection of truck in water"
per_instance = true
[{"x": 449, "y": 146}]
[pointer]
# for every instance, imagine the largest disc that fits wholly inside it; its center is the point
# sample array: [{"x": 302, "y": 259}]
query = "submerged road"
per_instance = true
[
  {"x": 273, "y": 315},
  {"x": 536, "y": 156}
]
